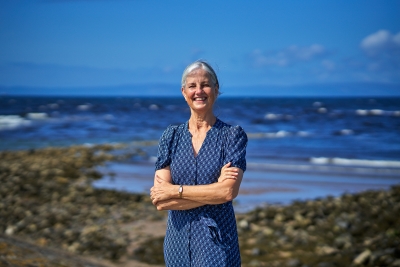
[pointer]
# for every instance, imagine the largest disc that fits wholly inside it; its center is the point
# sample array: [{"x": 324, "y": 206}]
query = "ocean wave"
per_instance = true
[
  {"x": 356, "y": 162},
  {"x": 344, "y": 132},
  {"x": 377, "y": 112},
  {"x": 321, "y": 168},
  {"x": 84, "y": 107},
  {"x": 278, "y": 134},
  {"x": 272, "y": 116},
  {"x": 9, "y": 122},
  {"x": 37, "y": 116}
]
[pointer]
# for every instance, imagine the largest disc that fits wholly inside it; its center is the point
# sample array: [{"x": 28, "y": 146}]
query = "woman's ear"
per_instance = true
[{"x": 183, "y": 93}]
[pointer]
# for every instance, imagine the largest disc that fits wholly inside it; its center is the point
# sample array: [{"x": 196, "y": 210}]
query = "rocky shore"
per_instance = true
[
  {"x": 47, "y": 199},
  {"x": 52, "y": 216},
  {"x": 352, "y": 230}
]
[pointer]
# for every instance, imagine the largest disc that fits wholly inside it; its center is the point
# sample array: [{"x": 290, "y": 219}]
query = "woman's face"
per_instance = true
[{"x": 199, "y": 91}]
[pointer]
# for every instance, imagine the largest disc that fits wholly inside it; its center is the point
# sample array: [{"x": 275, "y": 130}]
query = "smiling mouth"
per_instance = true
[{"x": 199, "y": 98}]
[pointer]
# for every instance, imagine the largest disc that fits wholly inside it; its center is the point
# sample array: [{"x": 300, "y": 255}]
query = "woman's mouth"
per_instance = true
[{"x": 199, "y": 98}]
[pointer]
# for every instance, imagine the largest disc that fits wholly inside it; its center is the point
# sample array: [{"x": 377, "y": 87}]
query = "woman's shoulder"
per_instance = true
[
  {"x": 172, "y": 131},
  {"x": 225, "y": 127},
  {"x": 174, "y": 127}
]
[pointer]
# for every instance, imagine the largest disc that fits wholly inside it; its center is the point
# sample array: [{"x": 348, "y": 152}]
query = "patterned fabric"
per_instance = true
[{"x": 207, "y": 235}]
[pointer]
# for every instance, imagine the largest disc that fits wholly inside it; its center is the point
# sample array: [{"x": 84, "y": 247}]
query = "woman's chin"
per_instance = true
[
  {"x": 202, "y": 104},
  {"x": 200, "y": 108}
]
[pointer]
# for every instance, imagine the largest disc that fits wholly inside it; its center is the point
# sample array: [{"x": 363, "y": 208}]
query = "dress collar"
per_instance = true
[{"x": 215, "y": 126}]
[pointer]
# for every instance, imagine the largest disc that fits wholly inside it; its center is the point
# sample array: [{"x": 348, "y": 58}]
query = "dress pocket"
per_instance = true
[{"x": 215, "y": 232}]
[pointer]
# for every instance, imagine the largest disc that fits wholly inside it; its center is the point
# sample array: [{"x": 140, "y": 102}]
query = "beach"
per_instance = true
[
  {"x": 47, "y": 200},
  {"x": 320, "y": 188},
  {"x": 53, "y": 216}
]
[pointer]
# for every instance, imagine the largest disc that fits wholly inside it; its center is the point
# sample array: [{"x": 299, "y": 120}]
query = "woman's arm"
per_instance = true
[
  {"x": 172, "y": 203},
  {"x": 177, "y": 204},
  {"x": 226, "y": 189}
]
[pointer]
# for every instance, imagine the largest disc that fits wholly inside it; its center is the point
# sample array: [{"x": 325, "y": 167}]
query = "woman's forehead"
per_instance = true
[{"x": 198, "y": 74}]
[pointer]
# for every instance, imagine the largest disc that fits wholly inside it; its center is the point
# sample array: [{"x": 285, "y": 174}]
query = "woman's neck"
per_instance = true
[{"x": 198, "y": 122}]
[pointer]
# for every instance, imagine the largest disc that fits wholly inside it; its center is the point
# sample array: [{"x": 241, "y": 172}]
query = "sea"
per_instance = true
[{"x": 299, "y": 148}]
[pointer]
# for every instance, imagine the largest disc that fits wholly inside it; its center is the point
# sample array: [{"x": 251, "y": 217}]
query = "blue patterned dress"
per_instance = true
[{"x": 205, "y": 236}]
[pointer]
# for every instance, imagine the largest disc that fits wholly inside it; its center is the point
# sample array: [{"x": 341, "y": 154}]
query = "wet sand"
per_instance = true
[{"x": 267, "y": 183}]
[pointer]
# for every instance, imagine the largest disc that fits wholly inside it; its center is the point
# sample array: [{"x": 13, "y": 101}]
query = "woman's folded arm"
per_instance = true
[
  {"x": 165, "y": 194},
  {"x": 177, "y": 204}
]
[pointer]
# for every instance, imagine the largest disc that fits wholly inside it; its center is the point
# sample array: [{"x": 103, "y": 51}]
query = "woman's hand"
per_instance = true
[
  {"x": 162, "y": 190},
  {"x": 228, "y": 173}
]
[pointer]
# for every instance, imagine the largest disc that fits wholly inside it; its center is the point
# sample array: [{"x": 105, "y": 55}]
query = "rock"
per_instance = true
[
  {"x": 267, "y": 231},
  {"x": 362, "y": 257},
  {"x": 293, "y": 263},
  {"x": 325, "y": 250},
  {"x": 284, "y": 254},
  {"x": 279, "y": 218},
  {"x": 343, "y": 241},
  {"x": 244, "y": 224},
  {"x": 251, "y": 241},
  {"x": 10, "y": 230},
  {"x": 255, "y": 263},
  {"x": 255, "y": 252},
  {"x": 396, "y": 263}
]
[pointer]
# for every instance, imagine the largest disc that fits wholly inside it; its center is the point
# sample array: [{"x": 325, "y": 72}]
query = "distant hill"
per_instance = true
[{"x": 163, "y": 90}]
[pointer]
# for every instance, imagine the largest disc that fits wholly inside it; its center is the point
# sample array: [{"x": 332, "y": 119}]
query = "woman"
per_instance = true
[{"x": 199, "y": 169}]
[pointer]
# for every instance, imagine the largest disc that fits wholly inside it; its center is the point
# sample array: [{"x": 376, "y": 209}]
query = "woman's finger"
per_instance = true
[
  {"x": 226, "y": 166},
  {"x": 232, "y": 173}
]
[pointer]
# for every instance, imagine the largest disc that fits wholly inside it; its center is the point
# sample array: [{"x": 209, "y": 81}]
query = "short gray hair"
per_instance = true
[{"x": 199, "y": 64}]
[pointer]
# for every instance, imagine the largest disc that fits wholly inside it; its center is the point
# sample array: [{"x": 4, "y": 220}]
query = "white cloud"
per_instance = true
[
  {"x": 305, "y": 53},
  {"x": 396, "y": 39},
  {"x": 382, "y": 50},
  {"x": 380, "y": 61},
  {"x": 381, "y": 42},
  {"x": 288, "y": 56}
]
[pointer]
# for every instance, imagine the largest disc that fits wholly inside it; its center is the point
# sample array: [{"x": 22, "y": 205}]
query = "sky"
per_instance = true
[{"x": 67, "y": 44}]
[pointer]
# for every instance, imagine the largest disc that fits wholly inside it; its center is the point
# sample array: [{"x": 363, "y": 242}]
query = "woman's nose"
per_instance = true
[{"x": 199, "y": 89}]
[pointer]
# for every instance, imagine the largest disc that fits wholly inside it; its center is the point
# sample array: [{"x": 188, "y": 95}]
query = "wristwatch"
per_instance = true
[{"x": 180, "y": 191}]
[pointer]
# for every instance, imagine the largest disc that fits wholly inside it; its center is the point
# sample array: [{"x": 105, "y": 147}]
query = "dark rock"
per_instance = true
[
  {"x": 293, "y": 263},
  {"x": 326, "y": 264}
]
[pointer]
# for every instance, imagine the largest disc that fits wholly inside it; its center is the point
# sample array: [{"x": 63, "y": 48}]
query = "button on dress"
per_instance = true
[{"x": 205, "y": 236}]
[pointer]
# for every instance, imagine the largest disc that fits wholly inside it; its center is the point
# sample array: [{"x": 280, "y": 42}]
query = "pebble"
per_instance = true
[{"x": 362, "y": 258}]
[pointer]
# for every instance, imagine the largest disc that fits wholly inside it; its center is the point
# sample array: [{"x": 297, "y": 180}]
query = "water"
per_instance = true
[
  {"x": 288, "y": 129},
  {"x": 346, "y": 136}
]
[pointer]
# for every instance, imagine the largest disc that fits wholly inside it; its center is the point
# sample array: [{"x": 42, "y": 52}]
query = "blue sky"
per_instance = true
[{"x": 100, "y": 43}]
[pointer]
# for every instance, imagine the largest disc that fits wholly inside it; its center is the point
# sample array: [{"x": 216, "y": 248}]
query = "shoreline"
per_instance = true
[
  {"x": 48, "y": 200},
  {"x": 266, "y": 183}
]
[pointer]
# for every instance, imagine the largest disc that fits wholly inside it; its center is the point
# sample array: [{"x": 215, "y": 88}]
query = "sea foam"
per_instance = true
[
  {"x": 356, "y": 162},
  {"x": 8, "y": 122}
]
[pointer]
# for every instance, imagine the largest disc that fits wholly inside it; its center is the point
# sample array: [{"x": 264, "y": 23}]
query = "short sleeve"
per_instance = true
[
  {"x": 236, "y": 150},
  {"x": 165, "y": 146}
]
